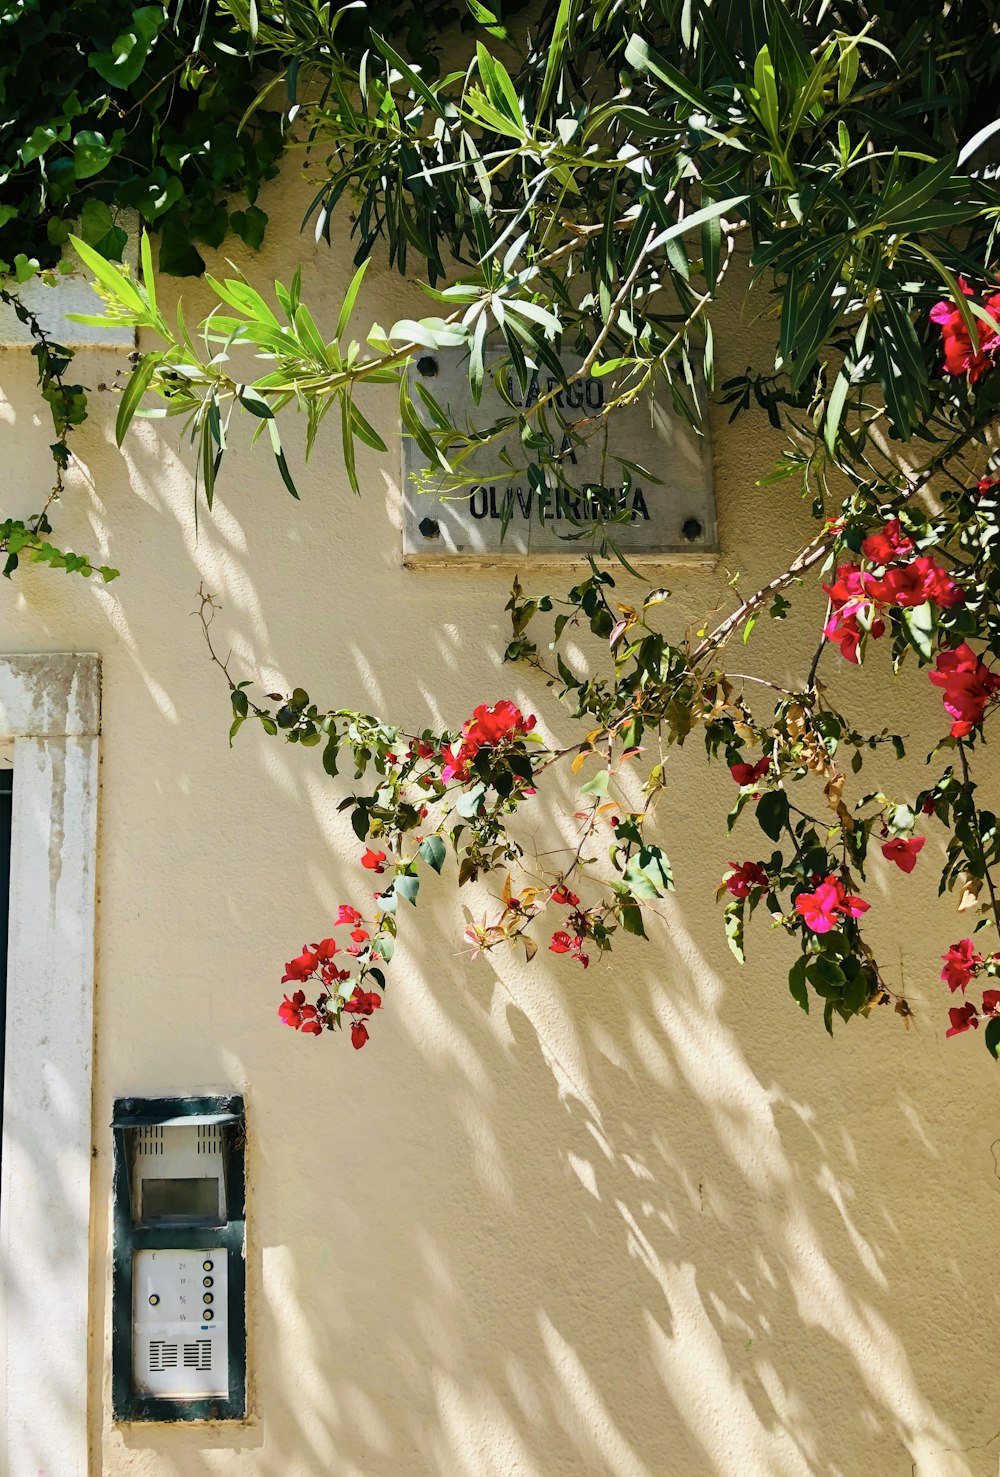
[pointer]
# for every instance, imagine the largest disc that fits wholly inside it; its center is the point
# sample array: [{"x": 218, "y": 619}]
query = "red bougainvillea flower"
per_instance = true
[
  {"x": 373, "y": 860},
  {"x": 501, "y": 721},
  {"x": 991, "y": 1002},
  {"x": 300, "y": 1016},
  {"x": 290, "y": 1010},
  {"x": 564, "y": 943},
  {"x": 823, "y": 908},
  {"x": 359, "y": 935},
  {"x": 453, "y": 763},
  {"x": 846, "y": 631},
  {"x": 856, "y": 597},
  {"x": 326, "y": 949},
  {"x": 744, "y": 876},
  {"x": 962, "y": 1017},
  {"x": 300, "y": 968},
  {"x": 929, "y": 806},
  {"x": 359, "y": 1034},
  {"x": 960, "y": 964},
  {"x": 347, "y": 914},
  {"x": 488, "y": 726},
  {"x": 887, "y": 544},
  {"x": 968, "y": 684},
  {"x": 987, "y": 484},
  {"x": 749, "y": 774},
  {"x": 903, "y": 851},
  {"x": 563, "y": 895},
  {"x": 849, "y": 598},
  {"x": 923, "y": 579},
  {"x": 363, "y": 1002},
  {"x": 960, "y": 357}
]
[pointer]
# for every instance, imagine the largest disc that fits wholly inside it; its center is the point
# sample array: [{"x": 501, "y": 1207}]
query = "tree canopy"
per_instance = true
[{"x": 574, "y": 195}]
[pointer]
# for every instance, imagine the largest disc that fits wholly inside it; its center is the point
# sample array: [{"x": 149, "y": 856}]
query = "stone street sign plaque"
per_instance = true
[{"x": 670, "y": 505}]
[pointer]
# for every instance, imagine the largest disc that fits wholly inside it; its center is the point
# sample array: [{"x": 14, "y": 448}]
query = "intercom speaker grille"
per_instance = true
[
  {"x": 198, "y": 1355},
  {"x": 149, "y": 1141},
  {"x": 163, "y": 1356}
]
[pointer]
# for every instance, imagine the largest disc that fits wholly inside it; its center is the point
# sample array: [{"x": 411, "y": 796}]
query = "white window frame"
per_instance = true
[{"x": 50, "y": 708}]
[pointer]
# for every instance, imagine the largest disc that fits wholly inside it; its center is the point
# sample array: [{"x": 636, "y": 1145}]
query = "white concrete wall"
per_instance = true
[
  {"x": 646, "y": 1221},
  {"x": 50, "y": 708}
]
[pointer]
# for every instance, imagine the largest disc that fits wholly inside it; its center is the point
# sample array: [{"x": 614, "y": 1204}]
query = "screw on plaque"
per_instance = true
[
  {"x": 691, "y": 530},
  {"x": 429, "y": 527},
  {"x": 427, "y": 365}
]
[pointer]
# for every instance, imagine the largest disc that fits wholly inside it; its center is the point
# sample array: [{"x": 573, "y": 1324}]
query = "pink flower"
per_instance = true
[
  {"x": 960, "y": 964},
  {"x": 969, "y": 686},
  {"x": 744, "y": 876},
  {"x": 959, "y": 355},
  {"x": 849, "y": 598},
  {"x": 347, "y": 914},
  {"x": 749, "y": 774},
  {"x": 962, "y": 1017},
  {"x": 823, "y": 908},
  {"x": 903, "y": 852},
  {"x": 453, "y": 764},
  {"x": 887, "y": 543}
]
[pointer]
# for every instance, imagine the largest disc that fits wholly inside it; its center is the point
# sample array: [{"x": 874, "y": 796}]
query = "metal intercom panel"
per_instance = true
[
  {"x": 179, "y": 1334},
  {"x": 180, "y": 1346}
]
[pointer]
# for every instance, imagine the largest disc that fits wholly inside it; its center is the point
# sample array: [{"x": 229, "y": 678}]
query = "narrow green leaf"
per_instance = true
[
  {"x": 134, "y": 391},
  {"x": 557, "y": 48},
  {"x": 110, "y": 276},
  {"x": 412, "y": 78},
  {"x": 350, "y": 298},
  {"x": 766, "y": 88},
  {"x": 640, "y": 55}
]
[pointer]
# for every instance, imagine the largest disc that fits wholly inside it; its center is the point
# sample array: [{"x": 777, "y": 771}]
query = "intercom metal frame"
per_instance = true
[{"x": 129, "y": 1404}]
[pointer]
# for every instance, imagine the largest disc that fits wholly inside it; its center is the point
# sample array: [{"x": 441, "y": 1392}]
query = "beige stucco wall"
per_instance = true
[{"x": 646, "y": 1221}]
